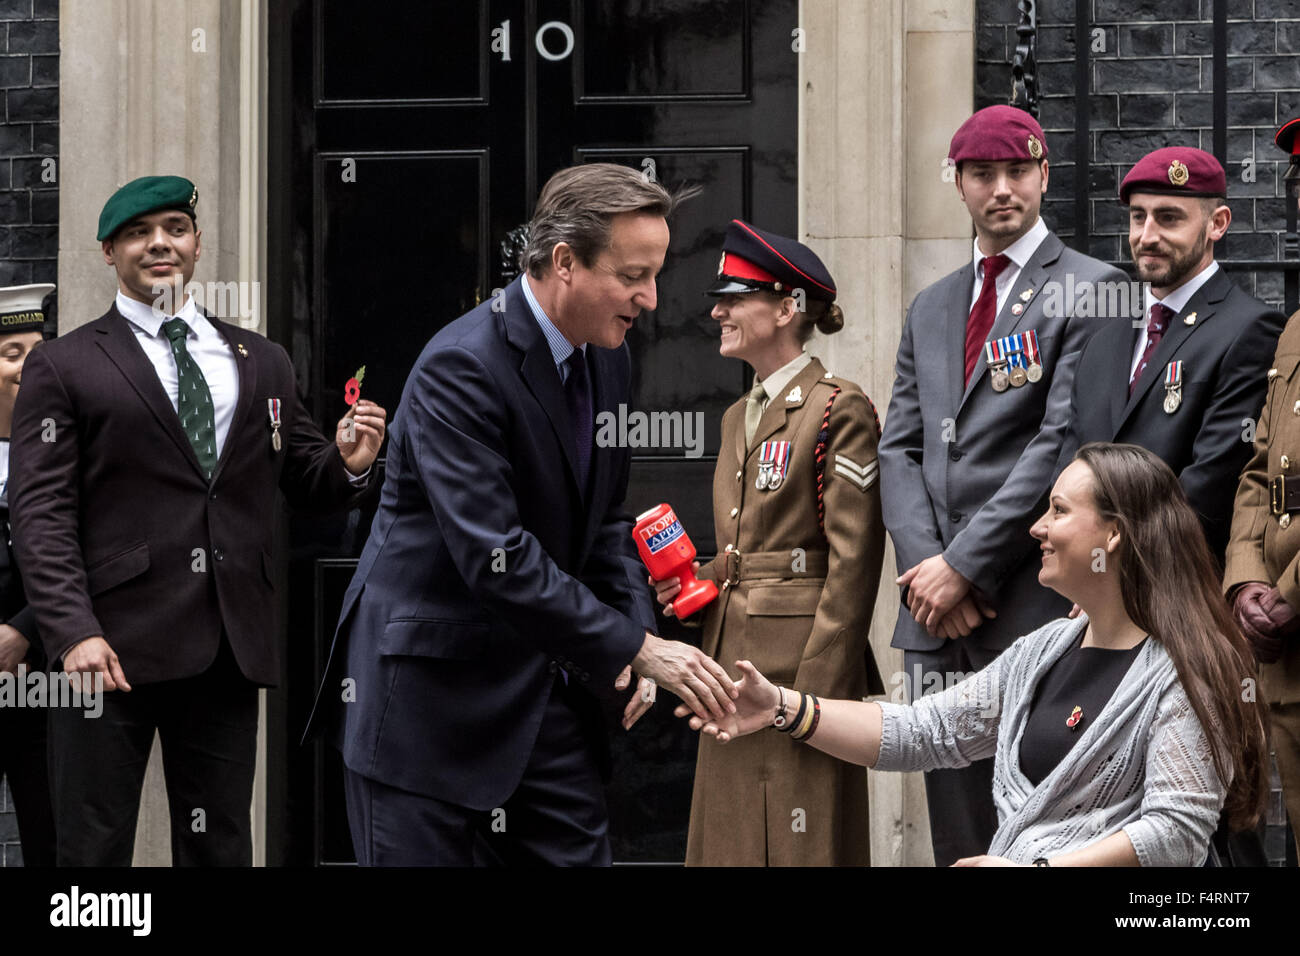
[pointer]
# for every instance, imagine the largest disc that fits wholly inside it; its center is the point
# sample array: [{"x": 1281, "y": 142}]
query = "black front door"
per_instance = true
[{"x": 407, "y": 142}]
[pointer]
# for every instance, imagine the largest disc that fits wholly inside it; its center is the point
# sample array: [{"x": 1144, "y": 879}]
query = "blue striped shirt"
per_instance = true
[{"x": 561, "y": 349}]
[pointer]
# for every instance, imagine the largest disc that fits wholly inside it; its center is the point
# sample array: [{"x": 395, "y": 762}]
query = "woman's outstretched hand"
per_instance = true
[{"x": 755, "y": 707}]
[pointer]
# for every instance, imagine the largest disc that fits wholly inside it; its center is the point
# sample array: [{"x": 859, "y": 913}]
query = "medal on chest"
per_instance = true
[
  {"x": 1013, "y": 360},
  {"x": 273, "y": 413},
  {"x": 773, "y": 461},
  {"x": 996, "y": 359},
  {"x": 1173, "y": 387}
]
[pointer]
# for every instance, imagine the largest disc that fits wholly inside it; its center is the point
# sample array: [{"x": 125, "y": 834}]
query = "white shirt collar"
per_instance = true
[
  {"x": 145, "y": 318},
  {"x": 1020, "y": 250},
  {"x": 775, "y": 383},
  {"x": 1178, "y": 299}
]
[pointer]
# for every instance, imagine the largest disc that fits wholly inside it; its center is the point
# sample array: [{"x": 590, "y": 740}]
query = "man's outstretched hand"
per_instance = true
[{"x": 688, "y": 672}]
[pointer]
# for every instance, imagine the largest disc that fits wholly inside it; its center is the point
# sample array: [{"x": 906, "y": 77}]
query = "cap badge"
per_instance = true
[
  {"x": 194, "y": 197},
  {"x": 1035, "y": 147},
  {"x": 1178, "y": 173},
  {"x": 796, "y": 395},
  {"x": 722, "y": 263}
]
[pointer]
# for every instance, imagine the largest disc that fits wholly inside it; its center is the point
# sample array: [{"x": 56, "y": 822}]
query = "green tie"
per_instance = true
[
  {"x": 753, "y": 411},
  {"x": 195, "y": 400}
]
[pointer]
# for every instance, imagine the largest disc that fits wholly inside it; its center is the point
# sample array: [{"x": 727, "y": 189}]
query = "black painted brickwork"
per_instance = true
[{"x": 29, "y": 198}]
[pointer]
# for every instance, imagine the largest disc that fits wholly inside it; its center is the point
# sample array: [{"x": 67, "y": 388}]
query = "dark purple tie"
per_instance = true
[
  {"x": 1157, "y": 323},
  {"x": 577, "y": 395}
]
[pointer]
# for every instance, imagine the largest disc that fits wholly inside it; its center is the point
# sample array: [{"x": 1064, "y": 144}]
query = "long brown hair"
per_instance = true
[{"x": 1170, "y": 586}]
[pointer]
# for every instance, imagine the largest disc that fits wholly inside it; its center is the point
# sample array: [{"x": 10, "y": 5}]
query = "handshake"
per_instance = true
[
  {"x": 704, "y": 687},
  {"x": 714, "y": 703},
  {"x": 1265, "y": 618}
]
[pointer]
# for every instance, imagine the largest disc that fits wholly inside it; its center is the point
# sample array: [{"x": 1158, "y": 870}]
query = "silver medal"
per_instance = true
[
  {"x": 1173, "y": 398},
  {"x": 275, "y": 439}
]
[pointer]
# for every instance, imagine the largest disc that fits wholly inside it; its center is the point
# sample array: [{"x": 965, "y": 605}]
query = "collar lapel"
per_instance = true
[
  {"x": 1204, "y": 304},
  {"x": 538, "y": 371},
  {"x": 118, "y": 342},
  {"x": 956, "y": 313},
  {"x": 779, "y": 408},
  {"x": 600, "y": 371},
  {"x": 236, "y": 338}
]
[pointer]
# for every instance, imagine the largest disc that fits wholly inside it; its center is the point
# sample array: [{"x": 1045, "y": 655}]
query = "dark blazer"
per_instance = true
[
  {"x": 1225, "y": 351},
  {"x": 117, "y": 530},
  {"x": 486, "y": 568},
  {"x": 14, "y": 609},
  {"x": 965, "y": 470}
]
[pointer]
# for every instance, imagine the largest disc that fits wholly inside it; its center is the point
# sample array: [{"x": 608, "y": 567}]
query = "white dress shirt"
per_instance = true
[
  {"x": 1018, "y": 252},
  {"x": 209, "y": 349},
  {"x": 1175, "y": 301}
]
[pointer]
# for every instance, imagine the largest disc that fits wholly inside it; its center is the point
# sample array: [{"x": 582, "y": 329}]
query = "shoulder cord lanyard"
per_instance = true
[
  {"x": 819, "y": 456},
  {"x": 819, "y": 461}
]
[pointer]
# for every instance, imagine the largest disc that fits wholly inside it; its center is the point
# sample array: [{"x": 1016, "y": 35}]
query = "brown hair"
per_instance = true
[
  {"x": 578, "y": 203},
  {"x": 1170, "y": 587},
  {"x": 826, "y": 317}
]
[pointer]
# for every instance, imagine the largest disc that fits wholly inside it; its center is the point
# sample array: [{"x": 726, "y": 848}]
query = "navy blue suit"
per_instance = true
[{"x": 487, "y": 569}]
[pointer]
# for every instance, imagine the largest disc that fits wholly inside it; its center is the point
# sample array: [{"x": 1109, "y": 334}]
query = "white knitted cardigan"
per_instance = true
[{"x": 1142, "y": 765}]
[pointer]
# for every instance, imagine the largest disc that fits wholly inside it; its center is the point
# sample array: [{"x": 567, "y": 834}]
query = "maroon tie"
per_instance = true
[
  {"x": 1157, "y": 322},
  {"x": 985, "y": 310}
]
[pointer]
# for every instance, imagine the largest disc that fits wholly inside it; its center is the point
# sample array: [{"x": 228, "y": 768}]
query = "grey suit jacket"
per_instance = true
[{"x": 965, "y": 470}]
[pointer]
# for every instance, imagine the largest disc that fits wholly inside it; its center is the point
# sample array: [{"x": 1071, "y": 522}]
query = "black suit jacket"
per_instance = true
[
  {"x": 1225, "y": 352},
  {"x": 486, "y": 569},
  {"x": 14, "y": 609},
  {"x": 116, "y": 528}
]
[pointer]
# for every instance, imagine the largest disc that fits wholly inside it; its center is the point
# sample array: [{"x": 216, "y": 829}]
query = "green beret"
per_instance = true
[{"x": 144, "y": 195}]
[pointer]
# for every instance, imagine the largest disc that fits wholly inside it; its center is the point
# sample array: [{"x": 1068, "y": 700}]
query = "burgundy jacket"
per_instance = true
[{"x": 117, "y": 530}]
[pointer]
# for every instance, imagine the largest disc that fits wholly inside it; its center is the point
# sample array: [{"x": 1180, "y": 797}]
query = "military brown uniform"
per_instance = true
[
  {"x": 798, "y": 605},
  {"x": 1265, "y": 545}
]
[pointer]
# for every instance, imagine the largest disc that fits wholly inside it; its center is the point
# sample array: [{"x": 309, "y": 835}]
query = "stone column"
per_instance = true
[
  {"x": 153, "y": 87},
  {"x": 883, "y": 84}
]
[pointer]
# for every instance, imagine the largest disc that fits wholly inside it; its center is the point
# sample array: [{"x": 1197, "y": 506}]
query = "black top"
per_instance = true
[{"x": 1082, "y": 677}]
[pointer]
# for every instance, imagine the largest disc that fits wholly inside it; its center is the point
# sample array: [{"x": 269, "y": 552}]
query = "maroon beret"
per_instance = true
[
  {"x": 998, "y": 133},
  {"x": 1178, "y": 171},
  {"x": 1286, "y": 137}
]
